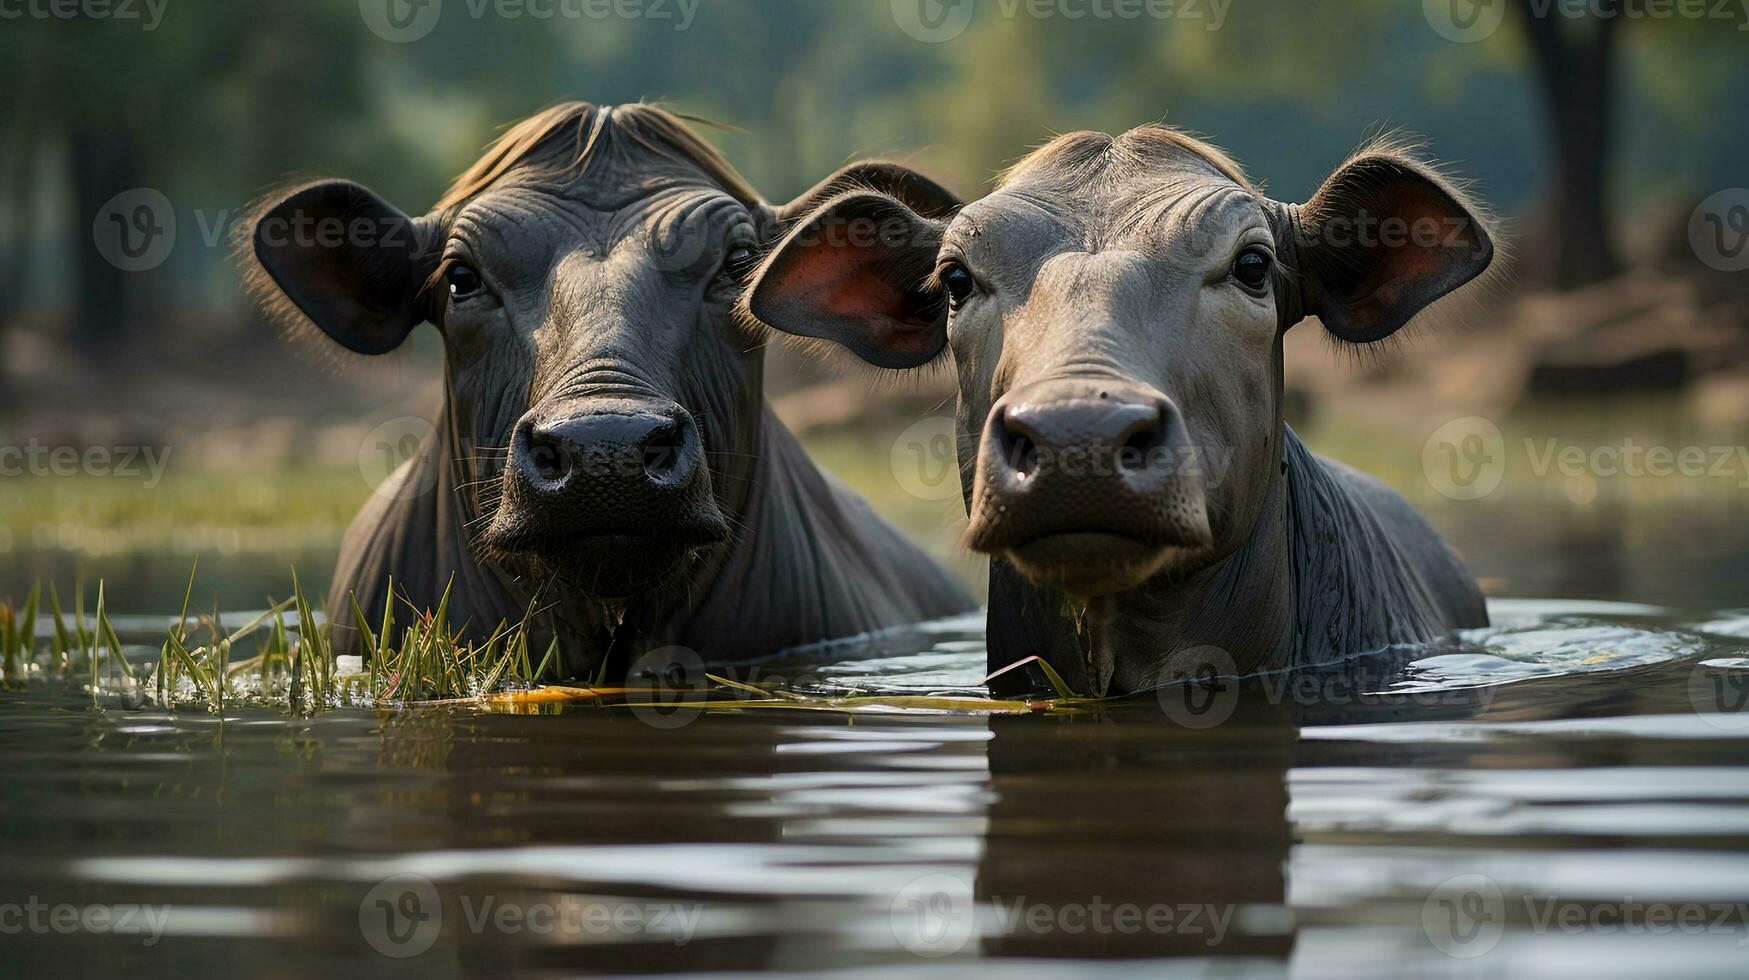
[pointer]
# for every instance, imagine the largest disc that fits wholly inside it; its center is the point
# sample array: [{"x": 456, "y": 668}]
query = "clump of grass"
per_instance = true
[
  {"x": 98, "y": 648},
  {"x": 292, "y": 662},
  {"x": 204, "y": 672},
  {"x": 428, "y": 660},
  {"x": 433, "y": 662},
  {"x": 413, "y": 656}
]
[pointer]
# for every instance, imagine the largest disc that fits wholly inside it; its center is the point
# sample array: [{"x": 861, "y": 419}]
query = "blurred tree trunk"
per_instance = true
[
  {"x": 15, "y": 244},
  {"x": 103, "y": 165},
  {"x": 1575, "y": 61}
]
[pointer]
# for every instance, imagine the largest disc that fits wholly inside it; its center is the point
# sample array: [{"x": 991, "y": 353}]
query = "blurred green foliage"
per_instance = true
[{"x": 218, "y": 100}]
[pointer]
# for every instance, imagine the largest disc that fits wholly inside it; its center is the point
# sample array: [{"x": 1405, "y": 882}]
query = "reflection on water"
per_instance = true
[{"x": 1567, "y": 795}]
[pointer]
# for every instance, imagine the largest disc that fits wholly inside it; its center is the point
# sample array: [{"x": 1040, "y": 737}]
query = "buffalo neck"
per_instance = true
[
  {"x": 1238, "y": 609},
  {"x": 1321, "y": 576}
]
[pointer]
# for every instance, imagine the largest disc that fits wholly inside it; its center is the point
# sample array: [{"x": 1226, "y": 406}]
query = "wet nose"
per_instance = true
[
  {"x": 1068, "y": 457},
  {"x": 622, "y": 460},
  {"x": 1119, "y": 435}
]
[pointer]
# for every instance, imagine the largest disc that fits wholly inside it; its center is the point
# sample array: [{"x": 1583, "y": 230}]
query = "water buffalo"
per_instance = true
[
  {"x": 604, "y": 442},
  {"x": 1115, "y": 310}
]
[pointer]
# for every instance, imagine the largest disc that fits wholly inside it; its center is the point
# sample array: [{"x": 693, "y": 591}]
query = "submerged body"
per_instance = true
[
  {"x": 605, "y": 456},
  {"x": 1341, "y": 564}
]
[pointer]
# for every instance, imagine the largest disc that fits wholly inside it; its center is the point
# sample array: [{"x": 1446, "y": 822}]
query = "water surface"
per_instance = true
[{"x": 1553, "y": 798}]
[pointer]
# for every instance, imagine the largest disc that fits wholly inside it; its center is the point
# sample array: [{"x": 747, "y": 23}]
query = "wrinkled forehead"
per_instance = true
[
  {"x": 1154, "y": 202},
  {"x": 660, "y": 205}
]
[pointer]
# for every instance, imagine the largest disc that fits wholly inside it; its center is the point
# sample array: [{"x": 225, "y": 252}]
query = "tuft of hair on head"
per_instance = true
[
  {"x": 1083, "y": 156},
  {"x": 1463, "y": 306},
  {"x": 560, "y": 141}
]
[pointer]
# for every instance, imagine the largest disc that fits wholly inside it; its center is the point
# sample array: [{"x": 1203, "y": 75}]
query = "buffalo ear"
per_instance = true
[
  {"x": 343, "y": 257},
  {"x": 1381, "y": 240},
  {"x": 917, "y": 192},
  {"x": 858, "y": 271}
]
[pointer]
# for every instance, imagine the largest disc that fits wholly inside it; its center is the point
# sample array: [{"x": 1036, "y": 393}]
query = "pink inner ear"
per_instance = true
[
  {"x": 1430, "y": 242},
  {"x": 842, "y": 280}
]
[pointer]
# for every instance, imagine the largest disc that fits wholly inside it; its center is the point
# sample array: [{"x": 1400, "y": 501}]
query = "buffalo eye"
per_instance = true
[
  {"x": 739, "y": 263},
  {"x": 959, "y": 284},
  {"x": 1251, "y": 268},
  {"x": 464, "y": 282}
]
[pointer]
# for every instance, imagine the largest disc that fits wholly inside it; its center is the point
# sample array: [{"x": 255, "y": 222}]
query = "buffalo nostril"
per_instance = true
[
  {"x": 1019, "y": 450},
  {"x": 1143, "y": 444},
  {"x": 663, "y": 451},
  {"x": 551, "y": 462},
  {"x": 1023, "y": 454},
  {"x": 547, "y": 456},
  {"x": 1140, "y": 448}
]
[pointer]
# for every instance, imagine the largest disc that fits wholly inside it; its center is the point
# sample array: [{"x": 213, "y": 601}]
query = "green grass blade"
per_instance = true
[
  {"x": 85, "y": 640},
  {"x": 27, "y": 622},
  {"x": 11, "y": 668},
  {"x": 63, "y": 648},
  {"x": 552, "y": 652},
  {"x": 366, "y": 638},
  {"x": 182, "y": 617}
]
